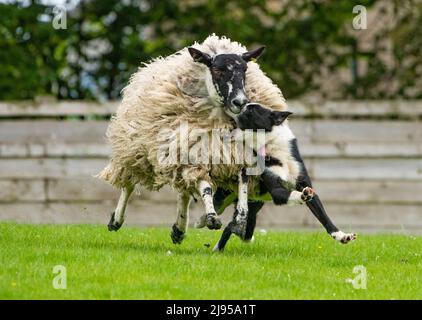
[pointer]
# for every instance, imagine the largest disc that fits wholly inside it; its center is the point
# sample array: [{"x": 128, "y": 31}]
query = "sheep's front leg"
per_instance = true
[
  {"x": 118, "y": 216},
  {"x": 241, "y": 214},
  {"x": 210, "y": 218},
  {"x": 179, "y": 228}
]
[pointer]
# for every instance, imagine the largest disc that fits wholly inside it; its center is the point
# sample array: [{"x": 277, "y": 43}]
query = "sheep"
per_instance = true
[
  {"x": 205, "y": 85},
  {"x": 284, "y": 179}
]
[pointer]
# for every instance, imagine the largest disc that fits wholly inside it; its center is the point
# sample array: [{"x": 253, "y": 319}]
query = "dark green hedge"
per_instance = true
[{"x": 310, "y": 47}]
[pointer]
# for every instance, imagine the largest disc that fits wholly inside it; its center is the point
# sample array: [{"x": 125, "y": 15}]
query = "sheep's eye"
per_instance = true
[{"x": 217, "y": 72}]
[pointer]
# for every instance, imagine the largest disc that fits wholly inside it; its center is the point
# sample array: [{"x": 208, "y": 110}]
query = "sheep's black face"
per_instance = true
[
  {"x": 254, "y": 117},
  {"x": 225, "y": 77},
  {"x": 228, "y": 73}
]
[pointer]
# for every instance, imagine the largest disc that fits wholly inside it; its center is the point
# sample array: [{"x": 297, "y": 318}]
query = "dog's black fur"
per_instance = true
[{"x": 256, "y": 117}]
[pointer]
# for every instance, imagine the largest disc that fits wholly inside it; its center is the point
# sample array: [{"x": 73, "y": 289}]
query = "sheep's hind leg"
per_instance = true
[
  {"x": 179, "y": 228},
  {"x": 118, "y": 216},
  {"x": 210, "y": 218}
]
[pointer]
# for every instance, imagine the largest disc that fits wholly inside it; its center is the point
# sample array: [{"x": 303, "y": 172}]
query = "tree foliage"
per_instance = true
[{"x": 311, "y": 47}]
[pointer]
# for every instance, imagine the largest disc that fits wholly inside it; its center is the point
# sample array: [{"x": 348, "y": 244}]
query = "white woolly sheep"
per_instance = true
[{"x": 200, "y": 86}]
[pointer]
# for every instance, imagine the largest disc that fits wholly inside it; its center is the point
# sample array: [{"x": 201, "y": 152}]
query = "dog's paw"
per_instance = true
[
  {"x": 113, "y": 225},
  {"x": 213, "y": 222},
  {"x": 307, "y": 194},
  {"x": 176, "y": 235},
  {"x": 342, "y": 237}
]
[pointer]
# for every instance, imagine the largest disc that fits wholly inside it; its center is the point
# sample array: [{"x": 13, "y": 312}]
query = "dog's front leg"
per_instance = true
[{"x": 315, "y": 204}]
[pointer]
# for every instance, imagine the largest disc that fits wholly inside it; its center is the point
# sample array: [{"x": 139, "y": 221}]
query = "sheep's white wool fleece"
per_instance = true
[{"x": 163, "y": 94}]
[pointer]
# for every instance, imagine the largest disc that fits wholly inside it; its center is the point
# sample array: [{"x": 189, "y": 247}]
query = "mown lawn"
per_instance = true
[{"x": 143, "y": 264}]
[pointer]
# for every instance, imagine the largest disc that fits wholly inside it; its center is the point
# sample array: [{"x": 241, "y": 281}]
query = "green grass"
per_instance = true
[{"x": 143, "y": 264}]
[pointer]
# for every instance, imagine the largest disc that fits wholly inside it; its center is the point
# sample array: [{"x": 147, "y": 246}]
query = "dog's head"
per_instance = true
[{"x": 254, "y": 116}]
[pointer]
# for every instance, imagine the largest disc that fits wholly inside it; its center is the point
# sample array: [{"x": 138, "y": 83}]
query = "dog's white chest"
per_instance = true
[{"x": 279, "y": 148}]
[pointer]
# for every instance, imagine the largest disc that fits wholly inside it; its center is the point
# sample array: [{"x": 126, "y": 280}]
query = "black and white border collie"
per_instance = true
[{"x": 284, "y": 179}]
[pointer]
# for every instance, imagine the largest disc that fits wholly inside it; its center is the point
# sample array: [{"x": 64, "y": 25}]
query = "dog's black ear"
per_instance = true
[
  {"x": 253, "y": 54},
  {"x": 279, "y": 117},
  {"x": 200, "y": 56}
]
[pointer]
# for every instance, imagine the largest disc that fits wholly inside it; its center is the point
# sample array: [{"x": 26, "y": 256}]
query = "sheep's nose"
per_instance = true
[{"x": 239, "y": 102}]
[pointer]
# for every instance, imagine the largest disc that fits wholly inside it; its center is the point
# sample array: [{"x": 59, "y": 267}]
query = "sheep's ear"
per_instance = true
[
  {"x": 279, "y": 117},
  {"x": 199, "y": 56},
  {"x": 253, "y": 54}
]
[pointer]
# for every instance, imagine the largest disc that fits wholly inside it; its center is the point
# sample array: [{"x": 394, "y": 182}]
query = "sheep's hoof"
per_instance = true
[
  {"x": 113, "y": 225},
  {"x": 176, "y": 235},
  {"x": 213, "y": 222}
]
